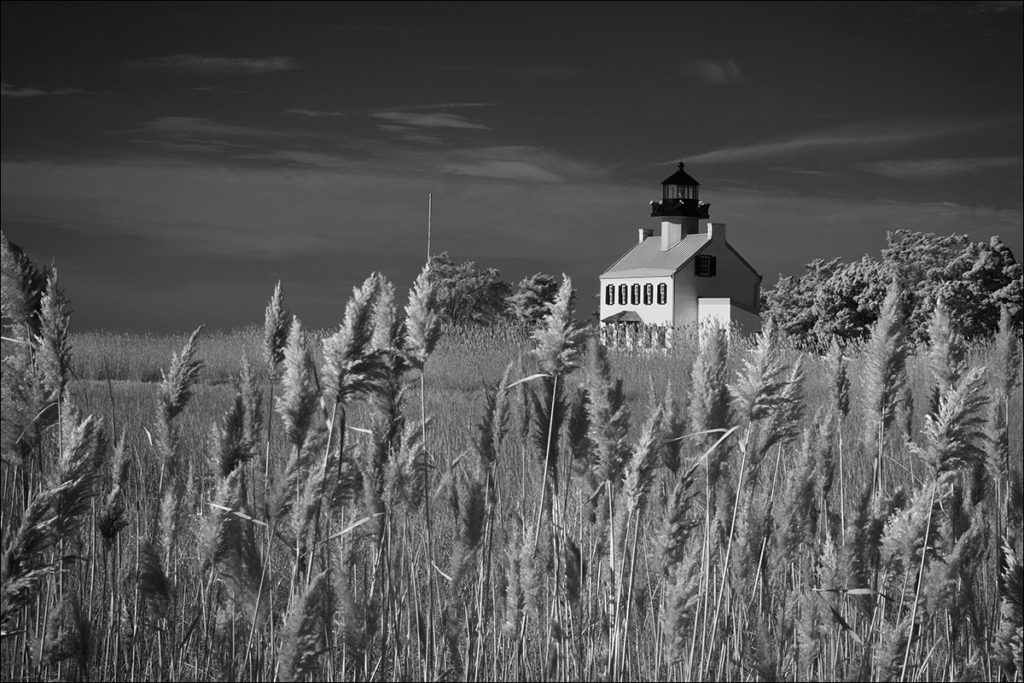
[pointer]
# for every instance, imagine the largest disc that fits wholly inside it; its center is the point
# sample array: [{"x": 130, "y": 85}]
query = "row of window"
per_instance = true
[{"x": 631, "y": 294}]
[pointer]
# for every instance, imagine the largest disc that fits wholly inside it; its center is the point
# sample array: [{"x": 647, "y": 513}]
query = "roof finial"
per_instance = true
[{"x": 681, "y": 164}]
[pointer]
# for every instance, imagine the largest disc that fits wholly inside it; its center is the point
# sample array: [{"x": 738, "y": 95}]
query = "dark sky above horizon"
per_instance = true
[{"x": 175, "y": 160}]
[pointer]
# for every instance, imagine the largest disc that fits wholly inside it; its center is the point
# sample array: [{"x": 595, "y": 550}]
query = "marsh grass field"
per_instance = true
[{"x": 396, "y": 500}]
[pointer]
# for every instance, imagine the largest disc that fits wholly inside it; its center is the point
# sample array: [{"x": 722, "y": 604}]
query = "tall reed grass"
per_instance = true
[{"x": 392, "y": 500}]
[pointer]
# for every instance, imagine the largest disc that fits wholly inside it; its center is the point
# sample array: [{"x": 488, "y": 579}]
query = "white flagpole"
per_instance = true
[{"x": 430, "y": 202}]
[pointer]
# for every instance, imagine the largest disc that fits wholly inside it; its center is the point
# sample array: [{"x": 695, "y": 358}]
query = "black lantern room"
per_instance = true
[{"x": 679, "y": 197}]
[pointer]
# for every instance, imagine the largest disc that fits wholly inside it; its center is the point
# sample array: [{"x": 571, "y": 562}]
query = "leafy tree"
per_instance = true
[
  {"x": 467, "y": 294},
  {"x": 836, "y": 300},
  {"x": 530, "y": 302}
]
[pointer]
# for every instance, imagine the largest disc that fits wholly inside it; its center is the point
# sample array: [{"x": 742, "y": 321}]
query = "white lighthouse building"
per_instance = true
[{"x": 684, "y": 275}]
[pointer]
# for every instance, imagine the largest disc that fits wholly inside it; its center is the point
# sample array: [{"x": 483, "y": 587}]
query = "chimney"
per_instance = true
[
  {"x": 716, "y": 231},
  {"x": 671, "y": 234},
  {"x": 644, "y": 233}
]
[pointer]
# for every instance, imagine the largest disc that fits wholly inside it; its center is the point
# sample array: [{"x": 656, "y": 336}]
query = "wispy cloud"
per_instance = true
[
  {"x": 935, "y": 169},
  {"x": 201, "y": 64},
  {"x": 714, "y": 72},
  {"x": 314, "y": 113},
  {"x": 804, "y": 171},
  {"x": 9, "y": 90},
  {"x": 441, "y": 106},
  {"x": 838, "y": 138},
  {"x": 428, "y": 120},
  {"x": 522, "y": 71},
  {"x": 189, "y": 126}
]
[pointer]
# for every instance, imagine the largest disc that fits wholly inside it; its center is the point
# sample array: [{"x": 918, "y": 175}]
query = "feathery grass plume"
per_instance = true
[
  {"x": 388, "y": 327},
  {"x": 68, "y": 637},
  {"x": 860, "y": 552},
  {"x": 760, "y": 385},
  {"x": 298, "y": 400},
  {"x": 230, "y": 440},
  {"x": 53, "y": 514},
  {"x": 797, "y": 512},
  {"x": 784, "y": 419},
  {"x": 350, "y": 369},
  {"x": 422, "y": 320},
  {"x": 403, "y": 480},
  {"x": 640, "y": 471},
  {"x": 677, "y": 525},
  {"x": 904, "y": 533},
  {"x": 885, "y": 358},
  {"x": 24, "y": 562},
  {"x": 839, "y": 379},
  {"x": 23, "y": 287},
  {"x": 502, "y": 414},
  {"x": 608, "y": 415},
  {"x": 111, "y": 519},
  {"x": 176, "y": 387},
  {"x": 276, "y": 329},
  {"x": 53, "y": 350},
  {"x": 302, "y": 635},
  {"x": 1009, "y": 638},
  {"x": 531, "y": 569},
  {"x": 888, "y": 656},
  {"x": 682, "y": 596},
  {"x": 559, "y": 338},
  {"x": 948, "y": 585},
  {"x": 947, "y": 355},
  {"x": 997, "y": 451},
  {"x": 312, "y": 486},
  {"x": 673, "y": 426},
  {"x": 1008, "y": 354},
  {"x": 353, "y": 615},
  {"x": 952, "y": 436},
  {"x": 709, "y": 397},
  {"x": 231, "y": 545},
  {"x": 74, "y": 479},
  {"x": 547, "y": 413}
]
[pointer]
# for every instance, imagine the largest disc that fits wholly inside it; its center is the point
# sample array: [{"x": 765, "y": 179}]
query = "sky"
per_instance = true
[{"x": 176, "y": 160}]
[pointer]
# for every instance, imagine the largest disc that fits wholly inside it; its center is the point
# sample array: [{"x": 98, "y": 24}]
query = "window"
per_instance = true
[
  {"x": 662, "y": 294},
  {"x": 648, "y": 294},
  {"x": 634, "y": 295},
  {"x": 609, "y": 294},
  {"x": 623, "y": 295},
  {"x": 705, "y": 266}
]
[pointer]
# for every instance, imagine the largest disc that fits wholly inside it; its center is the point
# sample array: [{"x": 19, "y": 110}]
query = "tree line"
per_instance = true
[{"x": 837, "y": 301}]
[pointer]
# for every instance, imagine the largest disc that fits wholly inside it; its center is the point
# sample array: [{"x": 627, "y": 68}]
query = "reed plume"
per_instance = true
[
  {"x": 302, "y": 637},
  {"x": 884, "y": 377},
  {"x": 298, "y": 400},
  {"x": 422, "y": 320},
  {"x": 276, "y": 328}
]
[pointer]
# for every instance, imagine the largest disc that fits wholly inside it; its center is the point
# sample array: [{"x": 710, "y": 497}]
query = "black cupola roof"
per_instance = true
[{"x": 680, "y": 177}]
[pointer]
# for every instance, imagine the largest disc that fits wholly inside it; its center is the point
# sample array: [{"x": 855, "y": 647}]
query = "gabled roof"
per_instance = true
[
  {"x": 647, "y": 259},
  {"x": 680, "y": 177}
]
